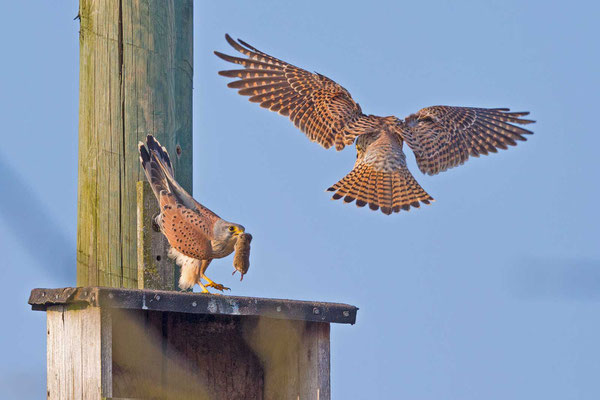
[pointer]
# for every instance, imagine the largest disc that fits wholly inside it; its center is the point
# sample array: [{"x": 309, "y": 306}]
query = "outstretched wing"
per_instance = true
[
  {"x": 318, "y": 106},
  {"x": 443, "y": 137}
]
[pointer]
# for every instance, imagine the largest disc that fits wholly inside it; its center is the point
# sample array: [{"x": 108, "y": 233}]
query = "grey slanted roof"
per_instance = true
[{"x": 194, "y": 303}]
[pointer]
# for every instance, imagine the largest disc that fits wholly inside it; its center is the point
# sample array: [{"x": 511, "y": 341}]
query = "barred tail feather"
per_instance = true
[
  {"x": 152, "y": 169},
  {"x": 389, "y": 191},
  {"x": 159, "y": 171},
  {"x": 161, "y": 154}
]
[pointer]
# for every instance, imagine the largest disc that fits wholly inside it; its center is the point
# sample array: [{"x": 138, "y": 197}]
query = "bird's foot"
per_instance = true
[
  {"x": 216, "y": 286},
  {"x": 204, "y": 289},
  {"x": 212, "y": 284}
]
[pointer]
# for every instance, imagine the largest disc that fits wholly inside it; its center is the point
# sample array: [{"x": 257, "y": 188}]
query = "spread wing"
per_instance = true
[
  {"x": 318, "y": 106},
  {"x": 443, "y": 137}
]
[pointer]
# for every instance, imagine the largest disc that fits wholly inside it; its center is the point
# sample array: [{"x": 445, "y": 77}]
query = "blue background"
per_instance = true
[{"x": 492, "y": 292}]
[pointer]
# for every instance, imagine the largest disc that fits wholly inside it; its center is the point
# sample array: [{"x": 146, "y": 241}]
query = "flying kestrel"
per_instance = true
[
  {"x": 196, "y": 234},
  {"x": 441, "y": 137}
]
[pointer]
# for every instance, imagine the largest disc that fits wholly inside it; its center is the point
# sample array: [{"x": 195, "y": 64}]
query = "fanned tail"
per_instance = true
[
  {"x": 156, "y": 165},
  {"x": 159, "y": 171},
  {"x": 390, "y": 191}
]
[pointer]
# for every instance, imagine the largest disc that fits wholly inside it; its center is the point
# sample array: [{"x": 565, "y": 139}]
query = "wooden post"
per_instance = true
[
  {"x": 155, "y": 269},
  {"x": 136, "y": 73}
]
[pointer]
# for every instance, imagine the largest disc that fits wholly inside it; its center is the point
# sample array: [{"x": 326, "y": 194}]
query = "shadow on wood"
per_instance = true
[{"x": 118, "y": 343}]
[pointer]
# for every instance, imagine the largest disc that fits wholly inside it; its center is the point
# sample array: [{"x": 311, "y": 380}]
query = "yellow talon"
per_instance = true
[
  {"x": 217, "y": 286},
  {"x": 204, "y": 289}
]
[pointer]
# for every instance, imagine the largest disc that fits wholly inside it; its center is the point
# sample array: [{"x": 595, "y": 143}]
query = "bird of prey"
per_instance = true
[
  {"x": 196, "y": 234},
  {"x": 441, "y": 137}
]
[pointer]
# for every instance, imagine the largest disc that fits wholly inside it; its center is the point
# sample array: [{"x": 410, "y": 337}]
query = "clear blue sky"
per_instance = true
[{"x": 492, "y": 292}]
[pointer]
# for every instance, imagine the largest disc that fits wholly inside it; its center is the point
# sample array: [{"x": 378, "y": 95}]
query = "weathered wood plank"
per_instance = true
[
  {"x": 54, "y": 354},
  {"x": 135, "y": 79},
  {"x": 277, "y": 344},
  {"x": 314, "y": 362},
  {"x": 178, "y": 356},
  {"x": 102, "y": 113},
  {"x": 207, "y": 358},
  {"x": 87, "y": 270},
  {"x": 106, "y": 350},
  {"x": 79, "y": 359},
  {"x": 295, "y": 358},
  {"x": 155, "y": 269},
  {"x": 137, "y": 354},
  {"x": 115, "y": 145}
]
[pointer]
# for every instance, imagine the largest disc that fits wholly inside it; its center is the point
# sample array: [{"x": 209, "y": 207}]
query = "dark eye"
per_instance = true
[{"x": 231, "y": 228}]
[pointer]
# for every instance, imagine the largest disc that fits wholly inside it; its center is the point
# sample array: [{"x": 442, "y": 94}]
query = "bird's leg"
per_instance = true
[
  {"x": 210, "y": 283},
  {"x": 204, "y": 289}
]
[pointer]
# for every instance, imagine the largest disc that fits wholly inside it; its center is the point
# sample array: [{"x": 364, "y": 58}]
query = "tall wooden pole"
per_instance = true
[{"x": 136, "y": 72}]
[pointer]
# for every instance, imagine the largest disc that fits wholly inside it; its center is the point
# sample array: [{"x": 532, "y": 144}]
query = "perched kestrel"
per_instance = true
[
  {"x": 196, "y": 234},
  {"x": 441, "y": 137}
]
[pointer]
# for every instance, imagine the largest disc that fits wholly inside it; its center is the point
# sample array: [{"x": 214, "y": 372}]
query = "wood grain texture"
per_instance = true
[
  {"x": 97, "y": 352},
  {"x": 79, "y": 356},
  {"x": 135, "y": 79},
  {"x": 155, "y": 269},
  {"x": 179, "y": 356},
  {"x": 295, "y": 358}
]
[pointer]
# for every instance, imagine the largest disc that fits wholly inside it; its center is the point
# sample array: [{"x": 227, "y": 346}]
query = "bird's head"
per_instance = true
[{"x": 226, "y": 230}]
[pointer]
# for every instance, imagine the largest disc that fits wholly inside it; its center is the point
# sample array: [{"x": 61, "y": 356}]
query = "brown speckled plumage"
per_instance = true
[
  {"x": 441, "y": 137},
  {"x": 187, "y": 231},
  {"x": 196, "y": 234}
]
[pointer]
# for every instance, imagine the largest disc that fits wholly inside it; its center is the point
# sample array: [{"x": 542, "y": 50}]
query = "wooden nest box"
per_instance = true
[{"x": 151, "y": 344}]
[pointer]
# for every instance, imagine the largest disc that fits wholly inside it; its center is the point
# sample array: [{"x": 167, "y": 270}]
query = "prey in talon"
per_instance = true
[
  {"x": 196, "y": 234},
  {"x": 241, "y": 258}
]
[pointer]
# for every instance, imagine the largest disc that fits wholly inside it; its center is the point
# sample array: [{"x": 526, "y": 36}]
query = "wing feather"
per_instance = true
[
  {"x": 188, "y": 231},
  {"x": 444, "y": 137},
  {"x": 318, "y": 106}
]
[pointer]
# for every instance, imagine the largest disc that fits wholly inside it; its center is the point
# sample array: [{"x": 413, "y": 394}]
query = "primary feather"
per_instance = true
[{"x": 441, "y": 137}]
